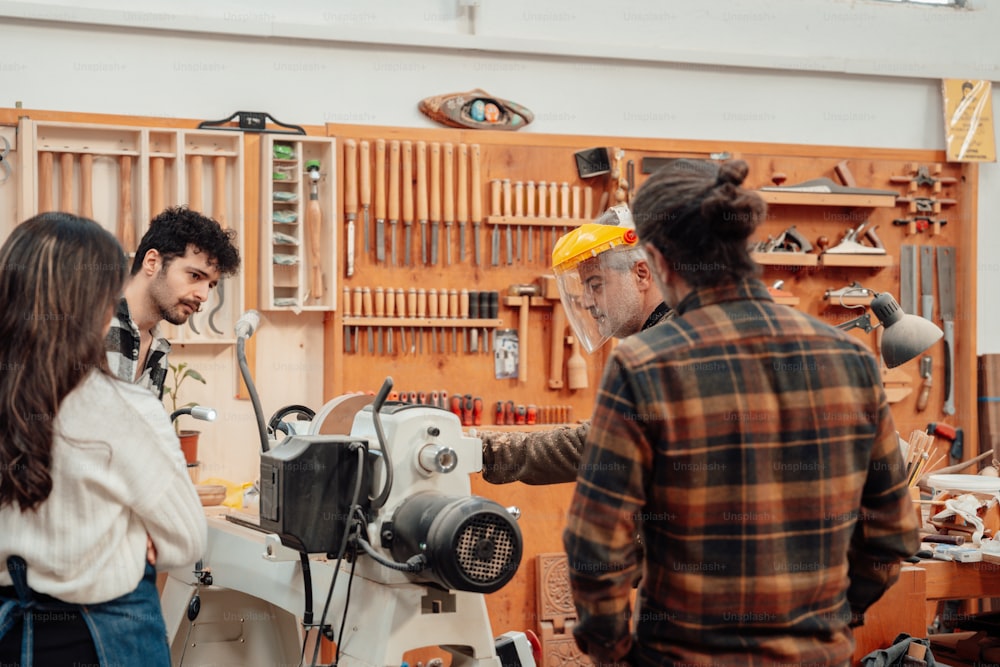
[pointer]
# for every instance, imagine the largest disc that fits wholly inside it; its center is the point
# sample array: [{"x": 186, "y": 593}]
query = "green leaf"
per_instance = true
[{"x": 195, "y": 375}]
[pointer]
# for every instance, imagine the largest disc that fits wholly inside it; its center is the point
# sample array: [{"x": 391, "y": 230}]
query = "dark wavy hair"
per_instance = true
[
  {"x": 697, "y": 215},
  {"x": 60, "y": 276},
  {"x": 172, "y": 231}
]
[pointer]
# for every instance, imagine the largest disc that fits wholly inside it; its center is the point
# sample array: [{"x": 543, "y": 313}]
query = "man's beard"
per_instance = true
[{"x": 176, "y": 314}]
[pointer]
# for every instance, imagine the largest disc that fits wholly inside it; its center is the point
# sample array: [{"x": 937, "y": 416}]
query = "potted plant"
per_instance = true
[{"x": 189, "y": 438}]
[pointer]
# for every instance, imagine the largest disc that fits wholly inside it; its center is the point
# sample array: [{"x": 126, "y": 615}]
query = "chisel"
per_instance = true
[
  {"x": 495, "y": 188},
  {"x": 421, "y": 314},
  {"x": 448, "y": 195},
  {"x": 463, "y": 312},
  {"x": 508, "y": 211},
  {"x": 365, "y": 193},
  {"x": 519, "y": 213},
  {"x": 401, "y": 313},
  {"x": 347, "y": 313},
  {"x": 390, "y": 311},
  {"x": 435, "y": 192},
  {"x": 358, "y": 312},
  {"x": 463, "y": 198},
  {"x": 553, "y": 212},
  {"x": 408, "y": 202},
  {"x": 422, "y": 200},
  {"x": 350, "y": 197},
  {"x": 543, "y": 198},
  {"x": 443, "y": 314},
  {"x": 394, "y": 198},
  {"x": 476, "y": 207},
  {"x": 219, "y": 189},
  {"x": 454, "y": 313},
  {"x": 366, "y": 308},
  {"x": 379, "y": 313},
  {"x": 432, "y": 312},
  {"x": 380, "y": 200},
  {"x": 411, "y": 312},
  {"x": 529, "y": 192}
]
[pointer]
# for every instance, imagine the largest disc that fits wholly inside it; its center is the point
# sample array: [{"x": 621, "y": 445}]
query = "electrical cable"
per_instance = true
[
  {"x": 343, "y": 550},
  {"x": 258, "y": 412},
  {"x": 377, "y": 404},
  {"x": 347, "y": 603}
]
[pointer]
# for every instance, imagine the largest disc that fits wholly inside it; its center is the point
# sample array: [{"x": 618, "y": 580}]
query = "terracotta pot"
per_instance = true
[{"x": 189, "y": 445}]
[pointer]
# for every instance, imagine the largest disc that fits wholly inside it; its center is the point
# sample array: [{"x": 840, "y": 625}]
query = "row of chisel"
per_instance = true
[
  {"x": 437, "y": 192},
  {"x": 422, "y": 311},
  {"x": 439, "y": 184},
  {"x": 555, "y": 208}
]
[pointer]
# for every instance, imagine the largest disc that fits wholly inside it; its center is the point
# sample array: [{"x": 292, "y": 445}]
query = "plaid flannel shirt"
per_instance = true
[
  {"x": 752, "y": 448},
  {"x": 122, "y": 346}
]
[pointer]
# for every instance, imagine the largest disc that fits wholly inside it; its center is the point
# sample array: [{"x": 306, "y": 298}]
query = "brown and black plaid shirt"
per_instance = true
[{"x": 753, "y": 449}]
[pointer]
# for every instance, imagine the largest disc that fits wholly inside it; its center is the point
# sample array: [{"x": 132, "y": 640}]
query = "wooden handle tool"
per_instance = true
[
  {"x": 157, "y": 171},
  {"x": 576, "y": 367},
  {"x": 407, "y": 214},
  {"x": 448, "y": 195},
  {"x": 314, "y": 229},
  {"x": 380, "y": 200},
  {"x": 462, "y": 205},
  {"x": 394, "y": 198},
  {"x": 422, "y": 198},
  {"x": 126, "y": 223},
  {"x": 476, "y": 204},
  {"x": 350, "y": 197},
  {"x": 219, "y": 190},
  {"x": 195, "y": 201},
  {"x": 66, "y": 183},
  {"x": 45, "y": 165},
  {"x": 87, "y": 185},
  {"x": 365, "y": 193},
  {"x": 435, "y": 197}
]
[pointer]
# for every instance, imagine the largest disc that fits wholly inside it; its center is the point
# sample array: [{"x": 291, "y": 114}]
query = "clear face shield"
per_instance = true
[{"x": 601, "y": 297}]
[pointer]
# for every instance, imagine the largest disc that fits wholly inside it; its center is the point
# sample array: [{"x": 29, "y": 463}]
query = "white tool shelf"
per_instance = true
[
  {"x": 79, "y": 168},
  {"x": 288, "y": 277}
]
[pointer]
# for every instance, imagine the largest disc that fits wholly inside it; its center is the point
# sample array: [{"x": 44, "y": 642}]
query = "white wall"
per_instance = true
[{"x": 838, "y": 72}]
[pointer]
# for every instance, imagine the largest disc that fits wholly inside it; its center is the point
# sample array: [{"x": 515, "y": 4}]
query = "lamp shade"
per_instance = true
[{"x": 905, "y": 336}]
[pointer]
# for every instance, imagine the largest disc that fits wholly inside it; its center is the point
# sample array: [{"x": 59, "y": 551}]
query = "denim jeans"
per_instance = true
[{"x": 126, "y": 631}]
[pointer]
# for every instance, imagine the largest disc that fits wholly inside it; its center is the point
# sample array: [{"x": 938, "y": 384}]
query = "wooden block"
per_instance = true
[{"x": 556, "y": 613}]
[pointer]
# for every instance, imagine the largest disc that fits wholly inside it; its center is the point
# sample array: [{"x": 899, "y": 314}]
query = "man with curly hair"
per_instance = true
[{"x": 180, "y": 259}]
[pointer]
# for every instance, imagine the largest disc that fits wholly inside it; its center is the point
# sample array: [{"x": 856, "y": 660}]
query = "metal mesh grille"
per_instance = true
[{"x": 484, "y": 547}]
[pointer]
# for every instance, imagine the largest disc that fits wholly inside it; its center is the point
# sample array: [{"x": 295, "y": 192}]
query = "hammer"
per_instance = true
[{"x": 525, "y": 292}]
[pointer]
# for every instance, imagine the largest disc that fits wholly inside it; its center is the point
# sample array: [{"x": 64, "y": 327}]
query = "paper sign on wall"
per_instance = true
[{"x": 968, "y": 120}]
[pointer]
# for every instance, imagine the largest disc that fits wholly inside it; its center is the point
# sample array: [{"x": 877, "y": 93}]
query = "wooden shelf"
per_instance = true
[
  {"x": 860, "y": 261},
  {"x": 827, "y": 199},
  {"x": 787, "y": 300},
  {"x": 785, "y": 258}
]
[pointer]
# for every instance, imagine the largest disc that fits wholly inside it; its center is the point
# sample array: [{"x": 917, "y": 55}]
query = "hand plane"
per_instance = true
[{"x": 852, "y": 244}]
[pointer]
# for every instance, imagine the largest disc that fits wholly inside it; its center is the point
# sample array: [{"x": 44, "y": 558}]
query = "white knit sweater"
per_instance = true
[{"x": 117, "y": 475}]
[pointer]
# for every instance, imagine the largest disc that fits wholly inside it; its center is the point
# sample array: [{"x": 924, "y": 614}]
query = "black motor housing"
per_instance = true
[
  {"x": 470, "y": 543},
  {"x": 306, "y": 486}
]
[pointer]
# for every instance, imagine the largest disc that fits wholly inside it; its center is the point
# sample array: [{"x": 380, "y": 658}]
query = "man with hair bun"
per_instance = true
[{"x": 749, "y": 444}]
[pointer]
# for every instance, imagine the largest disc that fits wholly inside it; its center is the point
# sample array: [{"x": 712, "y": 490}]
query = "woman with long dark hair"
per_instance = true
[{"x": 90, "y": 468}]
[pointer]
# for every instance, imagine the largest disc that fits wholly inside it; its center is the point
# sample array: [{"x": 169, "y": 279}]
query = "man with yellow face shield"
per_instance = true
[{"x": 607, "y": 291}]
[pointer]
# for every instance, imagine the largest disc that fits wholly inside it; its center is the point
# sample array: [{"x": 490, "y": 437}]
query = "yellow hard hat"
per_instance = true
[{"x": 589, "y": 240}]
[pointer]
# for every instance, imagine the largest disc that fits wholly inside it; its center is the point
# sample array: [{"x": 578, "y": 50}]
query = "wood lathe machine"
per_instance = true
[{"x": 367, "y": 501}]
